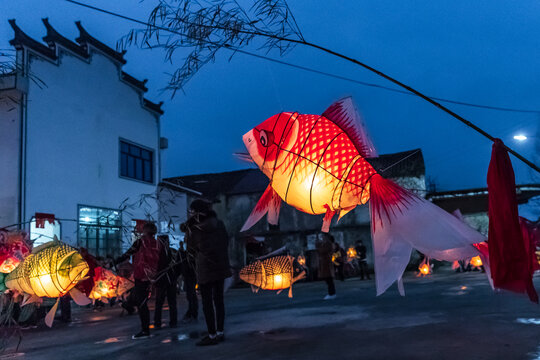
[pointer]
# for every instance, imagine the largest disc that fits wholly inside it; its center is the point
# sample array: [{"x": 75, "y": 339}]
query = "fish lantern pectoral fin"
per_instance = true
[{"x": 270, "y": 203}]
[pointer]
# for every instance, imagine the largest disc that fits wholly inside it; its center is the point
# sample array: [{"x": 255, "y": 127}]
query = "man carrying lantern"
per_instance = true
[
  {"x": 145, "y": 252},
  {"x": 206, "y": 237}
]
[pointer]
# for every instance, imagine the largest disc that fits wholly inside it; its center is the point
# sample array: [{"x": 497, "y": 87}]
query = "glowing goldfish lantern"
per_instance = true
[
  {"x": 52, "y": 270},
  {"x": 424, "y": 268},
  {"x": 476, "y": 261},
  {"x": 301, "y": 260},
  {"x": 14, "y": 247},
  {"x": 455, "y": 265},
  {"x": 275, "y": 273},
  {"x": 317, "y": 164},
  {"x": 351, "y": 253},
  {"x": 108, "y": 285}
]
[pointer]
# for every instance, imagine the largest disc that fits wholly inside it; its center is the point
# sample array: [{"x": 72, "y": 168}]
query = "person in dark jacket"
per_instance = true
[
  {"x": 207, "y": 238},
  {"x": 145, "y": 252},
  {"x": 362, "y": 259},
  {"x": 325, "y": 249},
  {"x": 189, "y": 276},
  {"x": 166, "y": 283}
]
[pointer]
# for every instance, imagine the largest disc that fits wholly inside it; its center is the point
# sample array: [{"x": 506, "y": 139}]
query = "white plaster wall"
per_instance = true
[
  {"x": 74, "y": 126},
  {"x": 9, "y": 156}
]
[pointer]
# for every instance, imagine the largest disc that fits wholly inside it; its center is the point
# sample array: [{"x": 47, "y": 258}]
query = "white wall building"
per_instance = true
[{"x": 77, "y": 140}]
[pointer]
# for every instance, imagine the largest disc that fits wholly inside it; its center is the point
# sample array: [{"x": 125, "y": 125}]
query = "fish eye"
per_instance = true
[{"x": 264, "y": 138}]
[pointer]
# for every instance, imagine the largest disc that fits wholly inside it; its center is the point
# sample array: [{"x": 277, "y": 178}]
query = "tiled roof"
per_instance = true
[{"x": 248, "y": 181}]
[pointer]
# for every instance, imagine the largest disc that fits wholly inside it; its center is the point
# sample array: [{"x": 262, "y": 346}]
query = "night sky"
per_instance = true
[{"x": 482, "y": 52}]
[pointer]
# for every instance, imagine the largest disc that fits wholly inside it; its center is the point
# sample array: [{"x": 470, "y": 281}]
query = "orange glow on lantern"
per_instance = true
[{"x": 424, "y": 269}]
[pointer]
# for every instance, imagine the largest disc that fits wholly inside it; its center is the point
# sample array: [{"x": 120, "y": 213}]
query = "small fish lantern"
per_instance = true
[
  {"x": 301, "y": 260},
  {"x": 108, "y": 285},
  {"x": 275, "y": 273},
  {"x": 424, "y": 268},
  {"x": 476, "y": 261},
  {"x": 351, "y": 253},
  {"x": 14, "y": 247}
]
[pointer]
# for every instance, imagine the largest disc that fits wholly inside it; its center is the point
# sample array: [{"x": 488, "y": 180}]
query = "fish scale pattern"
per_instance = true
[
  {"x": 323, "y": 143},
  {"x": 274, "y": 273}
]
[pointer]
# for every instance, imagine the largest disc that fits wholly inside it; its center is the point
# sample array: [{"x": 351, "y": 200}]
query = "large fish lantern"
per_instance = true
[
  {"x": 52, "y": 270},
  {"x": 317, "y": 164},
  {"x": 275, "y": 273}
]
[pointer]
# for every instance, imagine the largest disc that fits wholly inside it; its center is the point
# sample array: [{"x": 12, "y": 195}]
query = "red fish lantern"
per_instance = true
[
  {"x": 317, "y": 164},
  {"x": 14, "y": 247},
  {"x": 108, "y": 285}
]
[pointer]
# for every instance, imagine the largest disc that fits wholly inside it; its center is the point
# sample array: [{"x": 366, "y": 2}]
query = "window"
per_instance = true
[
  {"x": 136, "y": 162},
  {"x": 100, "y": 231}
]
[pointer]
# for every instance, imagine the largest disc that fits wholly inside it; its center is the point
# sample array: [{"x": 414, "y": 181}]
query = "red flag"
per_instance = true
[
  {"x": 508, "y": 256},
  {"x": 41, "y": 218}
]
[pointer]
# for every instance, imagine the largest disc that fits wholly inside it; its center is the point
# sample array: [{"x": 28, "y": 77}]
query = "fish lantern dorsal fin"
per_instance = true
[{"x": 343, "y": 113}]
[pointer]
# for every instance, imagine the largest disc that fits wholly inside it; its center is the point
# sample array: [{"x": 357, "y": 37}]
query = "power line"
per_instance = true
[{"x": 315, "y": 71}]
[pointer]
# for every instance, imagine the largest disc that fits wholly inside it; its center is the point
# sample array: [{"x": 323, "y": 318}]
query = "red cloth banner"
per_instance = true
[
  {"x": 41, "y": 218},
  {"x": 509, "y": 258}
]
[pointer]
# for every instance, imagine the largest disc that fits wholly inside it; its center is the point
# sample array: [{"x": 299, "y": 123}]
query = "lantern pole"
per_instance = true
[{"x": 321, "y": 48}]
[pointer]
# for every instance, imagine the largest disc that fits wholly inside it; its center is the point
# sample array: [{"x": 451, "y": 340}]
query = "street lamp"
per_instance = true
[{"x": 520, "y": 137}]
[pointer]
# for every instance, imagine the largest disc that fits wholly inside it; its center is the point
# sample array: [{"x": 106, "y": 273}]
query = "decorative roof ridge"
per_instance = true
[
  {"x": 153, "y": 106},
  {"x": 85, "y": 38},
  {"x": 22, "y": 39},
  {"x": 54, "y": 37},
  {"x": 140, "y": 84}
]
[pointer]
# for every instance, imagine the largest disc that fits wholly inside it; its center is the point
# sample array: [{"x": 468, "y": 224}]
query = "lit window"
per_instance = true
[
  {"x": 136, "y": 162},
  {"x": 100, "y": 231}
]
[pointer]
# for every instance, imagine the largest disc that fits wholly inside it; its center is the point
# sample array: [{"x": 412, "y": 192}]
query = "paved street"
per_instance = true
[{"x": 445, "y": 316}]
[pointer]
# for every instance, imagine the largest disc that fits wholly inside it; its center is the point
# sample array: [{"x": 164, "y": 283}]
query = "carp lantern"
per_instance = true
[
  {"x": 476, "y": 261},
  {"x": 275, "y": 273},
  {"x": 108, "y": 285}
]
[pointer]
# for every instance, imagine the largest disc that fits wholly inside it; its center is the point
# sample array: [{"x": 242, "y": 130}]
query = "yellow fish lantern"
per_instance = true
[
  {"x": 275, "y": 273},
  {"x": 52, "y": 270}
]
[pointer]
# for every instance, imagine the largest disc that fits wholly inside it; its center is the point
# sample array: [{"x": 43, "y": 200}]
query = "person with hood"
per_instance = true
[
  {"x": 207, "y": 239},
  {"x": 325, "y": 248},
  {"x": 166, "y": 282},
  {"x": 145, "y": 253}
]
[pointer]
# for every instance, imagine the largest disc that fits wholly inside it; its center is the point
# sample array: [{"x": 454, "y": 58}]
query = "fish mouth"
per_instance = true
[{"x": 251, "y": 145}]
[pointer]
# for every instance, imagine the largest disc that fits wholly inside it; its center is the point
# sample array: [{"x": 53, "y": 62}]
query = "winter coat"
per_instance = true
[
  {"x": 326, "y": 267},
  {"x": 145, "y": 252},
  {"x": 208, "y": 242},
  {"x": 168, "y": 267}
]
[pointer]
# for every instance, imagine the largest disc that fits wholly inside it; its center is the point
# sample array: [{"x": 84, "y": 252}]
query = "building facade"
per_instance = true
[{"x": 79, "y": 142}]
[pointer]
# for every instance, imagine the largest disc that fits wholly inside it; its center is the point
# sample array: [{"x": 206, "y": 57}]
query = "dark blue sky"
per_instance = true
[{"x": 483, "y": 52}]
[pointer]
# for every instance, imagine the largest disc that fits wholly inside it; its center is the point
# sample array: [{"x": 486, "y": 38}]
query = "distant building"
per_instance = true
[
  {"x": 473, "y": 203},
  {"x": 237, "y": 192},
  {"x": 78, "y": 141}
]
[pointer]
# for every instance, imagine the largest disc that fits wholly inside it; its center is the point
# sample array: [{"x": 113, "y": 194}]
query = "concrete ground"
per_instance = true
[{"x": 443, "y": 316}]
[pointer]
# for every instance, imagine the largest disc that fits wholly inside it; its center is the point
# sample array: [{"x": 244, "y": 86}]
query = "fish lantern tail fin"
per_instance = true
[
  {"x": 401, "y": 221},
  {"x": 270, "y": 203}
]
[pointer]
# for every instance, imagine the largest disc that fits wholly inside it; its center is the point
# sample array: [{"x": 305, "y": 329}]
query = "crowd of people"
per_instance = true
[{"x": 205, "y": 262}]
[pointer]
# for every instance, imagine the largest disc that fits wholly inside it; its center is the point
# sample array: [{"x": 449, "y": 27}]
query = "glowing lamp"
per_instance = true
[
  {"x": 520, "y": 137},
  {"x": 275, "y": 273},
  {"x": 476, "y": 261},
  {"x": 424, "y": 268}
]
